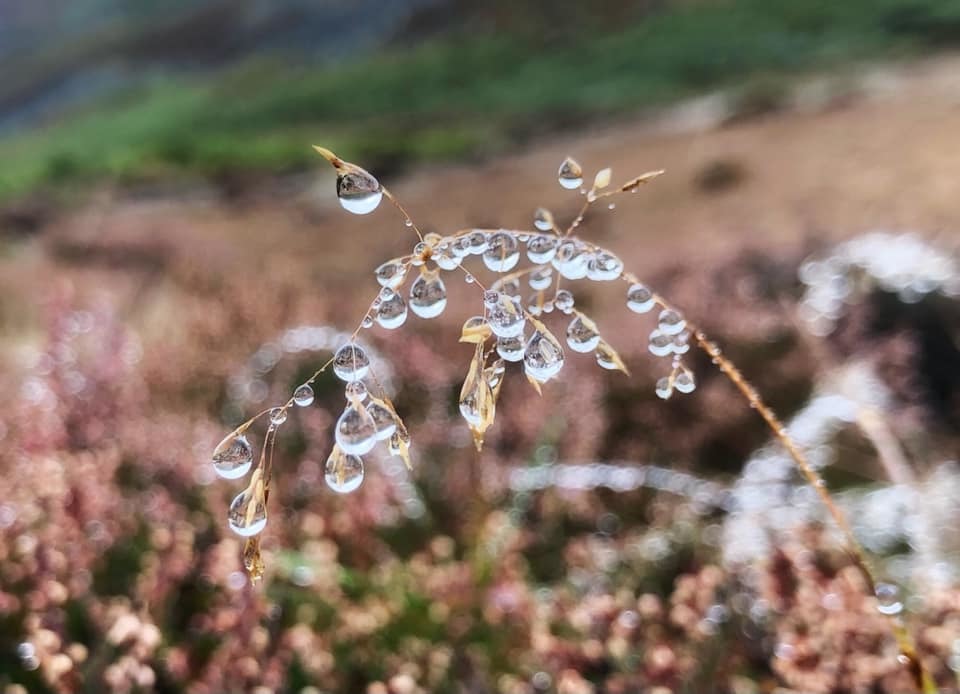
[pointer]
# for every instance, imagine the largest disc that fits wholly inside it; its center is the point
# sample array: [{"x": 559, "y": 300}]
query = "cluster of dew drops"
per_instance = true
[{"x": 514, "y": 324}]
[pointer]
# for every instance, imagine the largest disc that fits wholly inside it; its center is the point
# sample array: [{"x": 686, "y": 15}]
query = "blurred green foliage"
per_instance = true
[{"x": 461, "y": 95}]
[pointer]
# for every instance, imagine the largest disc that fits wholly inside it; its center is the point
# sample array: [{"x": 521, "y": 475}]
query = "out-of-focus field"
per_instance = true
[{"x": 118, "y": 569}]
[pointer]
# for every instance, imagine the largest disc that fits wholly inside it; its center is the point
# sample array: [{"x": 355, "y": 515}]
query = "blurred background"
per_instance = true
[{"x": 173, "y": 260}]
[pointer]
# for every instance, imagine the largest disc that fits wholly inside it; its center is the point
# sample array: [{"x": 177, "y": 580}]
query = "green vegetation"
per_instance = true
[{"x": 460, "y": 96}]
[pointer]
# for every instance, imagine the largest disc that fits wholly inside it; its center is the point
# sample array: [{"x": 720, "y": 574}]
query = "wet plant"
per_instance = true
[{"x": 507, "y": 327}]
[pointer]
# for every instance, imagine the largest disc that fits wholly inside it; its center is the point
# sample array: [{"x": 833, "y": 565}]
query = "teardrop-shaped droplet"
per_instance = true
[
  {"x": 543, "y": 219},
  {"x": 511, "y": 348},
  {"x": 343, "y": 472},
  {"x": 604, "y": 267},
  {"x": 564, "y": 301},
  {"x": 606, "y": 357},
  {"x": 664, "y": 388},
  {"x": 494, "y": 375},
  {"x": 356, "y": 432},
  {"x": 399, "y": 439},
  {"x": 571, "y": 260},
  {"x": 542, "y": 247},
  {"x": 383, "y": 419},
  {"x": 392, "y": 312},
  {"x": 684, "y": 382},
  {"x": 671, "y": 322},
  {"x": 391, "y": 274},
  {"x": 248, "y": 511},
  {"x": 570, "y": 174},
  {"x": 503, "y": 252},
  {"x": 476, "y": 397},
  {"x": 303, "y": 395},
  {"x": 351, "y": 363},
  {"x": 582, "y": 335},
  {"x": 359, "y": 192},
  {"x": 428, "y": 295},
  {"x": 543, "y": 357},
  {"x": 233, "y": 457},
  {"x": 660, "y": 344},
  {"x": 541, "y": 278},
  {"x": 640, "y": 299},
  {"x": 505, "y": 317}
]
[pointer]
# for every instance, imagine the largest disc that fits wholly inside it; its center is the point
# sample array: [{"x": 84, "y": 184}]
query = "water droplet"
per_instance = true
[
  {"x": 571, "y": 260},
  {"x": 664, "y": 388},
  {"x": 399, "y": 437},
  {"x": 640, "y": 299},
  {"x": 582, "y": 335},
  {"x": 428, "y": 295},
  {"x": 408, "y": 223},
  {"x": 478, "y": 242},
  {"x": 505, "y": 316},
  {"x": 469, "y": 279},
  {"x": 502, "y": 253},
  {"x": 359, "y": 192},
  {"x": 356, "y": 390},
  {"x": 604, "y": 267},
  {"x": 383, "y": 418},
  {"x": 351, "y": 363},
  {"x": 367, "y": 321},
  {"x": 233, "y": 457},
  {"x": 612, "y": 206},
  {"x": 606, "y": 358},
  {"x": 570, "y": 174},
  {"x": 356, "y": 432},
  {"x": 684, "y": 382},
  {"x": 548, "y": 306},
  {"x": 564, "y": 301},
  {"x": 343, "y": 472},
  {"x": 541, "y": 248},
  {"x": 543, "y": 357},
  {"x": 510, "y": 285},
  {"x": 248, "y": 511},
  {"x": 278, "y": 415},
  {"x": 391, "y": 274},
  {"x": 303, "y": 395},
  {"x": 661, "y": 344},
  {"x": 494, "y": 374},
  {"x": 392, "y": 312},
  {"x": 543, "y": 219},
  {"x": 446, "y": 259},
  {"x": 460, "y": 246},
  {"x": 541, "y": 278},
  {"x": 511, "y": 348},
  {"x": 490, "y": 298},
  {"x": 421, "y": 249},
  {"x": 888, "y": 599},
  {"x": 671, "y": 322}
]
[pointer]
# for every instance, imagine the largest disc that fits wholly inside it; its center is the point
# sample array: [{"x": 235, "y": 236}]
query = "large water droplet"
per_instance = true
[
  {"x": 582, "y": 335},
  {"x": 248, "y": 511},
  {"x": 511, "y": 348},
  {"x": 428, "y": 295},
  {"x": 661, "y": 344},
  {"x": 640, "y": 299},
  {"x": 571, "y": 260},
  {"x": 541, "y": 248},
  {"x": 543, "y": 219},
  {"x": 233, "y": 457},
  {"x": 356, "y": 432},
  {"x": 505, "y": 317},
  {"x": 303, "y": 395},
  {"x": 671, "y": 322},
  {"x": 343, "y": 472},
  {"x": 392, "y": 312},
  {"x": 446, "y": 259},
  {"x": 541, "y": 278},
  {"x": 570, "y": 174},
  {"x": 543, "y": 357},
  {"x": 383, "y": 419},
  {"x": 503, "y": 253},
  {"x": 391, "y": 274},
  {"x": 478, "y": 242},
  {"x": 278, "y": 415},
  {"x": 358, "y": 191},
  {"x": 351, "y": 363},
  {"x": 604, "y": 267}
]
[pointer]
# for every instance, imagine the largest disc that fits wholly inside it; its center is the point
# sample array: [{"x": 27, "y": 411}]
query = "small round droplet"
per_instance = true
[
  {"x": 541, "y": 278},
  {"x": 582, "y": 335},
  {"x": 671, "y": 322},
  {"x": 888, "y": 599},
  {"x": 408, "y": 223},
  {"x": 612, "y": 206},
  {"x": 541, "y": 248},
  {"x": 469, "y": 279},
  {"x": 278, "y": 415},
  {"x": 571, "y": 260},
  {"x": 511, "y": 348},
  {"x": 664, "y": 388},
  {"x": 248, "y": 512},
  {"x": 351, "y": 363},
  {"x": 303, "y": 395},
  {"x": 604, "y": 267},
  {"x": 343, "y": 472},
  {"x": 564, "y": 301},
  {"x": 490, "y": 298},
  {"x": 359, "y": 192},
  {"x": 570, "y": 174},
  {"x": 428, "y": 295},
  {"x": 233, "y": 457},
  {"x": 356, "y": 391},
  {"x": 543, "y": 219},
  {"x": 502, "y": 253},
  {"x": 660, "y": 344},
  {"x": 478, "y": 242},
  {"x": 367, "y": 322},
  {"x": 392, "y": 312},
  {"x": 640, "y": 299},
  {"x": 684, "y": 382}
]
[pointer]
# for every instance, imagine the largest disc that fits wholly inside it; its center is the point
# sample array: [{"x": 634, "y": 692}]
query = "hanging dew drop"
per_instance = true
[
  {"x": 502, "y": 253},
  {"x": 570, "y": 174},
  {"x": 356, "y": 432},
  {"x": 541, "y": 278},
  {"x": 664, "y": 388},
  {"x": 511, "y": 348},
  {"x": 671, "y": 322},
  {"x": 571, "y": 260},
  {"x": 343, "y": 472},
  {"x": 541, "y": 248},
  {"x": 428, "y": 295},
  {"x": 446, "y": 259},
  {"x": 606, "y": 358},
  {"x": 392, "y": 312},
  {"x": 358, "y": 191},
  {"x": 303, "y": 395},
  {"x": 383, "y": 419},
  {"x": 233, "y": 457},
  {"x": 640, "y": 299},
  {"x": 478, "y": 242},
  {"x": 582, "y": 335},
  {"x": 356, "y": 391},
  {"x": 278, "y": 415},
  {"x": 248, "y": 511},
  {"x": 391, "y": 274},
  {"x": 888, "y": 599},
  {"x": 543, "y": 357},
  {"x": 543, "y": 219},
  {"x": 351, "y": 363},
  {"x": 684, "y": 382},
  {"x": 564, "y": 301},
  {"x": 660, "y": 344},
  {"x": 604, "y": 267},
  {"x": 505, "y": 317}
]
